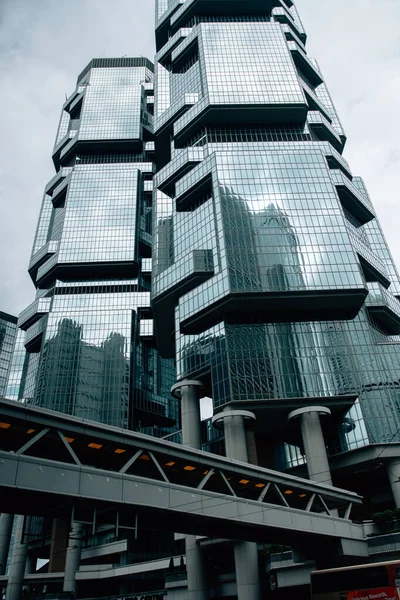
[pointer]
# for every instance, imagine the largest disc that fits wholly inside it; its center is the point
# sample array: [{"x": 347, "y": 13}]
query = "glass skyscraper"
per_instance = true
[
  {"x": 85, "y": 345},
  {"x": 204, "y": 236},
  {"x": 273, "y": 285},
  {"x": 88, "y": 348},
  {"x": 270, "y": 267}
]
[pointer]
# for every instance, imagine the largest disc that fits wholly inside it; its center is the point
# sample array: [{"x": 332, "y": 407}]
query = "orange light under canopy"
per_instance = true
[{"x": 95, "y": 446}]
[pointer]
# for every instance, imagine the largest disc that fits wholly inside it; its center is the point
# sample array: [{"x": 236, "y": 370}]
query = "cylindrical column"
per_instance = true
[
  {"x": 73, "y": 557},
  {"x": 18, "y": 560},
  {"x": 393, "y": 469},
  {"x": 247, "y": 571},
  {"x": 6, "y": 523},
  {"x": 197, "y": 580},
  {"x": 314, "y": 442},
  {"x": 235, "y": 423},
  {"x": 188, "y": 393}
]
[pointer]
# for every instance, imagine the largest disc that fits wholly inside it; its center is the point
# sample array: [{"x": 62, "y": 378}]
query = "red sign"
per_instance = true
[{"x": 389, "y": 593}]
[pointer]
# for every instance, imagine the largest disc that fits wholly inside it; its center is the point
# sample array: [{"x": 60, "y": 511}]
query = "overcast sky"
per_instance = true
[{"x": 44, "y": 44}]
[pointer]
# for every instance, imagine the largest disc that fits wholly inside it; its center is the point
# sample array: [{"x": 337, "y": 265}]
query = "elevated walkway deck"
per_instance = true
[{"x": 51, "y": 463}]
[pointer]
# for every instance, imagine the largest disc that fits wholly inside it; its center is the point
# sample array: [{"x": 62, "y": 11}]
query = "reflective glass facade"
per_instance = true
[
  {"x": 203, "y": 224},
  {"x": 272, "y": 279},
  {"x": 8, "y": 332},
  {"x": 85, "y": 345}
]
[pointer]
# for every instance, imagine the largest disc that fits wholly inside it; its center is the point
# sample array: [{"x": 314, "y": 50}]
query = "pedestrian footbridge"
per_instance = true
[{"x": 51, "y": 463}]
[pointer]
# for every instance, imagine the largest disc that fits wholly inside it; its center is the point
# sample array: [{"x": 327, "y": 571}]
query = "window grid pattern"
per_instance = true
[
  {"x": 187, "y": 82},
  {"x": 15, "y": 377},
  {"x": 378, "y": 243},
  {"x": 113, "y": 104},
  {"x": 41, "y": 236},
  {"x": 63, "y": 126},
  {"x": 197, "y": 19},
  {"x": 100, "y": 215},
  {"x": 248, "y": 63},
  {"x": 286, "y": 212},
  {"x": 8, "y": 332},
  {"x": 232, "y": 135}
]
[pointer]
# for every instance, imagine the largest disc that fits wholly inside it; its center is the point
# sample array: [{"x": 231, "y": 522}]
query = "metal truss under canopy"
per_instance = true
[{"x": 50, "y": 462}]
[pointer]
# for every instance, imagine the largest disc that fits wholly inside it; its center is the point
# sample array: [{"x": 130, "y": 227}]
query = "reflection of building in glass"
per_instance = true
[
  {"x": 8, "y": 331},
  {"x": 82, "y": 379},
  {"x": 244, "y": 270},
  {"x": 278, "y": 250}
]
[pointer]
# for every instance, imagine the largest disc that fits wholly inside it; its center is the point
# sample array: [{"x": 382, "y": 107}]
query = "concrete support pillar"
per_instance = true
[
  {"x": 247, "y": 571},
  {"x": 188, "y": 393},
  {"x": 197, "y": 580},
  {"x": 235, "y": 423},
  {"x": 6, "y": 523},
  {"x": 73, "y": 557},
  {"x": 18, "y": 560},
  {"x": 393, "y": 469},
  {"x": 314, "y": 442}
]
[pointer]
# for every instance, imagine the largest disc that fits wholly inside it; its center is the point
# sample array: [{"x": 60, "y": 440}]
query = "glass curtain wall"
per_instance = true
[{"x": 299, "y": 295}]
